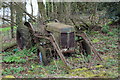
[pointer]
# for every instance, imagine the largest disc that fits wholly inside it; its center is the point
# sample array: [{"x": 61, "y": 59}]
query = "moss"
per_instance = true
[
  {"x": 8, "y": 44},
  {"x": 82, "y": 73},
  {"x": 99, "y": 66},
  {"x": 79, "y": 69}
]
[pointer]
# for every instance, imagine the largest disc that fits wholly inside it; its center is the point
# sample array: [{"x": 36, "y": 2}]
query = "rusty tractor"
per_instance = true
[{"x": 59, "y": 39}]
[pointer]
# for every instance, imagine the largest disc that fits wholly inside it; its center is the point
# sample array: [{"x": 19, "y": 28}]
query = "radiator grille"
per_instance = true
[
  {"x": 64, "y": 40},
  {"x": 71, "y": 39},
  {"x": 67, "y": 40}
]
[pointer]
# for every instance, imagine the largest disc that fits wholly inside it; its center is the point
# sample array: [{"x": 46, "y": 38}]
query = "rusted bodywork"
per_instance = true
[
  {"x": 59, "y": 27},
  {"x": 64, "y": 35}
]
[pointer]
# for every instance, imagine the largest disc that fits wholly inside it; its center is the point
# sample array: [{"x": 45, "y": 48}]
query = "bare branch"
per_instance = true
[
  {"x": 9, "y": 21},
  {"x": 31, "y": 16}
]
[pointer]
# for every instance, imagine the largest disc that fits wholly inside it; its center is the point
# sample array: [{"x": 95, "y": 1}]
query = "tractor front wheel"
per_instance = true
[{"x": 42, "y": 55}]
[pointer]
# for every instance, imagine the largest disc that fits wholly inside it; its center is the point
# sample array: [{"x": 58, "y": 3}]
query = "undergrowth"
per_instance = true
[{"x": 24, "y": 63}]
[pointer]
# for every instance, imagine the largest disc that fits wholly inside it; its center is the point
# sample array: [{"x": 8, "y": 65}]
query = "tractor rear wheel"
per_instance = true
[
  {"x": 84, "y": 47},
  {"x": 24, "y": 39}
]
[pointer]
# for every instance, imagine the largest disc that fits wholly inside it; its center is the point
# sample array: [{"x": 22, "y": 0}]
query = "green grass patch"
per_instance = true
[
  {"x": 18, "y": 56},
  {"x": 7, "y": 28},
  {"x": 13, "y": 70},
  {"x": 95, "y": 40}
]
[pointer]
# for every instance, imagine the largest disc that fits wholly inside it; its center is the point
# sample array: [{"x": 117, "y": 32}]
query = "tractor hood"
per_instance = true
[{"x": 59, "y": 27}]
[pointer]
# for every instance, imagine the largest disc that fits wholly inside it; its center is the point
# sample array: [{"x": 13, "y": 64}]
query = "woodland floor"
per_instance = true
[{"x": 24, "y": 64}]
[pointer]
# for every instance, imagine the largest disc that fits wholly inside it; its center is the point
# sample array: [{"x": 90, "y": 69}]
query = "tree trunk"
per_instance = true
[
  {"x": 31, "y": 7},
  {"x": 3, "y": 15},
  {"x": 68, "y": 11},
  {"x": 52, "y": 7},
  {"x": 19, "y": 14},
  {"x": 41, "y": 17},
  {"x": 25, "y": 14},
  {"x": 42, "y": 13},
  {"x": 12, "y": 20}
]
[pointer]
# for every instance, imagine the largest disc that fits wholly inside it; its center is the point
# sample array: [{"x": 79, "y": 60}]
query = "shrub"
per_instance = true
[{"x": 105, "y": 28}]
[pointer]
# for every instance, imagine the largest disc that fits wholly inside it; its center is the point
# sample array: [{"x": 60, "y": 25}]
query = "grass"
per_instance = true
[
  {"x": 7, "y": 28},
  {"x": 24, "y": 64},
  {"x": 13, "y": 70},
  {"x": 5, "y": 37}
]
